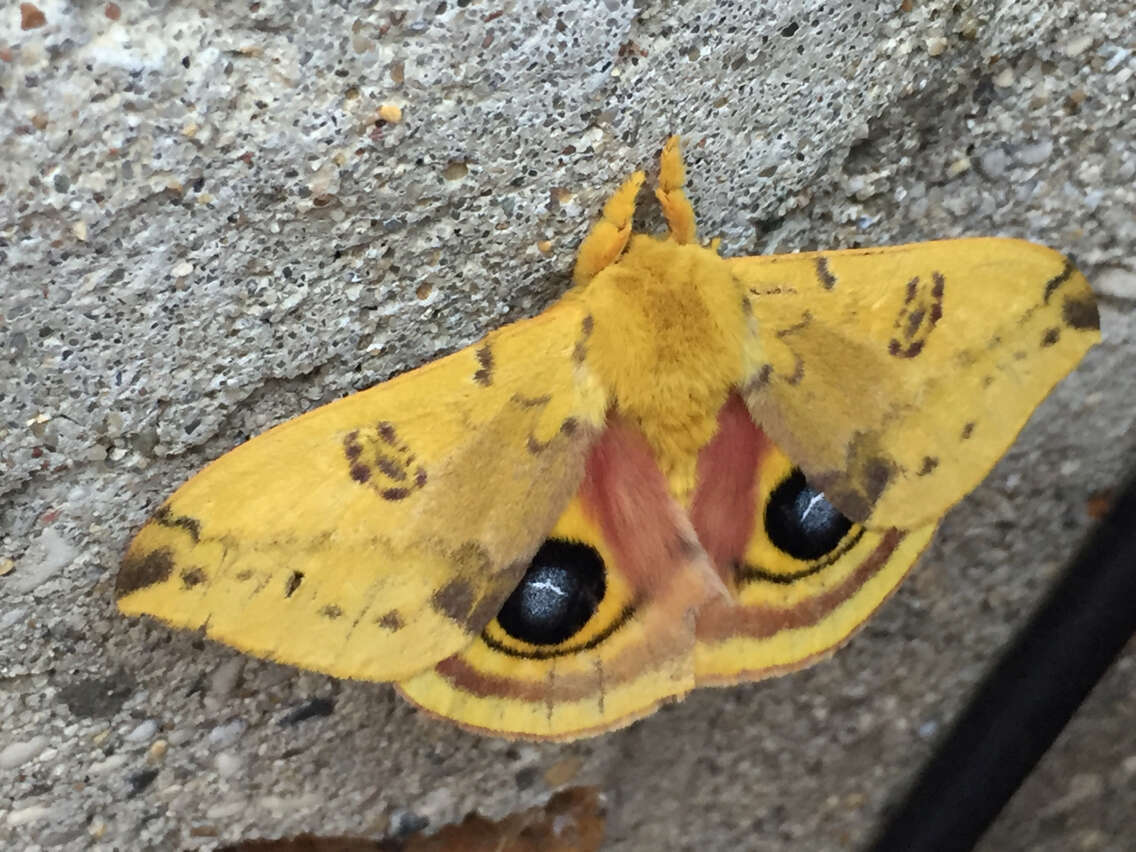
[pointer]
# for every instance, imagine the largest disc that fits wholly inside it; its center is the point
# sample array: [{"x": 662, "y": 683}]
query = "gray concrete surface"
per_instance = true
[{"x": 204, "y": 230}]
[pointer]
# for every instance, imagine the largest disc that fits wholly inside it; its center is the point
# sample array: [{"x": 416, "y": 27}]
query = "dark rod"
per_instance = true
[{"x": 1029, "y": 696}]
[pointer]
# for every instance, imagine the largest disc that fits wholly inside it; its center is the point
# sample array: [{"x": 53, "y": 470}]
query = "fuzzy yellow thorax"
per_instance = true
[{"x": 668, "y": 340}]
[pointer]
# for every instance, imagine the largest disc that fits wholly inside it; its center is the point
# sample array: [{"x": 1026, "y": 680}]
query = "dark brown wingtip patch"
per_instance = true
[
  {"x": 141, "y": 570},
  {"x": 484, "y": 374},
  {"x": 1081, "y": 314},
  {"x": 824, "y": 274}
]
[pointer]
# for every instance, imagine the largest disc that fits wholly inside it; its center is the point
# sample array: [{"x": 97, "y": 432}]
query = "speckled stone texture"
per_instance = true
[{"x": 206, "y": 228}]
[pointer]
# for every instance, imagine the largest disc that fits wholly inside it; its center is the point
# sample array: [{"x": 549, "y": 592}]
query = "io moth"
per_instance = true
[{"x": 689, "y": 470}]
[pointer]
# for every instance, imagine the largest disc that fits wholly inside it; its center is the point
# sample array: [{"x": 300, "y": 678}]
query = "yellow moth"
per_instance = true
[{"x": 689, "y": 470}]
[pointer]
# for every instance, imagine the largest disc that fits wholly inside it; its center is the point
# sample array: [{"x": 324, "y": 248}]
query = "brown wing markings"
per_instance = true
[
  {"x": 566, "y": 688},
  {"x": 798, "y": 371},
  {"x": 867, "y": 471},
  {"x": 192, "y": 576},
  {"x": 494, "y": 596},
  {"x": 917, "y": 317},
  {"x": 779, "y": 290},
  {"x": 784, "y": 334},
  {"x": 601, "y": 686},
  {"x": 459, "y": 600},
  {"x": 549, "y": 701},
  {"x": 758, "y": 381},
  {"x": 1052, "y": 285},
  {"x": 1078, "y": 312},
  {"x": 568, "y": 427},
  {"x": 141, "y": 570},
  {"x": 530, "y": 401},
  {"x": 391, "y": 620},
  {"x": 580, "y": 349},
  {"x": 378, "y": 459},
  {"x": 1081, "y": 314},
  {"x": 484, "y": 374},
  {"x": 761, "y": 622},
  {"x": 965, "y": 359},
  {"x": 535, "y": 405},
  {"x": 800, "y": 325},
  {"x": 166, "y": 518},
  {"x": 454, "y": 600},
  {"x": 929, "y": 465},
  {"x": 824, "y": 274}
]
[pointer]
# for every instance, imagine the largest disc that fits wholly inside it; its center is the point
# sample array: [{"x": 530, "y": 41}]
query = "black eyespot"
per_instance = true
[
  {"x": 801, "y": 522},
  {"x": 559, "y": 593}
]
